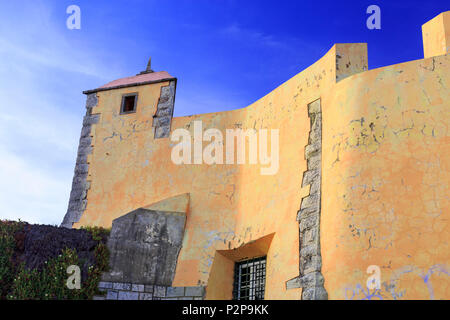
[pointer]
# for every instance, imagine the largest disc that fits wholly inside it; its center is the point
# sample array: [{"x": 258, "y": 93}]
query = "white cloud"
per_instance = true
[
  {"x": 42, "y": 71},
  {"x": 30, "y": 34},
  {"x": 28, "y": 193},
  {"x": 254, "y": 37},
  {"x": 235, "y": 30}
]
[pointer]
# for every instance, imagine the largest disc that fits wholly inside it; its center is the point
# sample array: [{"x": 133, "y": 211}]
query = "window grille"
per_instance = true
[{"x": 250, "y": 279}]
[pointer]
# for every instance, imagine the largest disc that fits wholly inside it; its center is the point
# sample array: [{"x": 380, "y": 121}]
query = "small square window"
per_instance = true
[
  {"x": 250, "y": 279},
  {"x": 129, "y": 103}
]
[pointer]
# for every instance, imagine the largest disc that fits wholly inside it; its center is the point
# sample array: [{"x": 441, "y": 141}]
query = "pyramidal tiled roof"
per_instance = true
[{"x": 140, "y": 79}]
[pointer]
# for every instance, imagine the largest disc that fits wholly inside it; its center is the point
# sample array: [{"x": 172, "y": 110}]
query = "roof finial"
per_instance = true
[{"x": 149, "y": 67}]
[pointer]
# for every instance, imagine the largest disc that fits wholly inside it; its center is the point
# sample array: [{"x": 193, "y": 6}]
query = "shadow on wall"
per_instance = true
[{"x": 220, "y": 282}]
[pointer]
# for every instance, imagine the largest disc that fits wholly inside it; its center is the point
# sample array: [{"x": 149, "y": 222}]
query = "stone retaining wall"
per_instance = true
[{"x": 134, "y": 291}]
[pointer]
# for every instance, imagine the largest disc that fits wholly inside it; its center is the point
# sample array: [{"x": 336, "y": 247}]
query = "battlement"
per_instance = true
[{"x": 436, "y": 35}]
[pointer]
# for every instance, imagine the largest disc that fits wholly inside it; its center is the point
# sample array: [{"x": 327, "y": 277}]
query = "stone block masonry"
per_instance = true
[
  {"x": 164, "y": 111},
  {"x": 80, "y": 183},
  {"x": 151, "y": 240},
  {"x": 311, "y": 279},
  {"x": 135, "y": 291}
]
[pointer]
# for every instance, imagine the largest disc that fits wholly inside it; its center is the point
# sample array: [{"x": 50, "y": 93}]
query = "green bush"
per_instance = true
[
  {"x": 7, "y": 246},
  {"x": 98, "y": 233},
  {"x": 17, "y": 282}
]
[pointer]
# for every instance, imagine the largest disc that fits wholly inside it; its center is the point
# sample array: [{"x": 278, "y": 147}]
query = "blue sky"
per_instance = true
[{"x": 225, "y": 53}]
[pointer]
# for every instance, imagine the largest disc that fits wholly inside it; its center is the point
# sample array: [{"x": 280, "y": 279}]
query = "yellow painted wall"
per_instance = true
[
  {"x": 436, "y": 35},
  {"x": 386, "y": 172},
  {"x": 384, "y": 181}
]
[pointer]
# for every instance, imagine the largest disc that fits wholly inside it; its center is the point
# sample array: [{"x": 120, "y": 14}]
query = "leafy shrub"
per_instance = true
[
  {"x": 48, "y": 280},
  {"x": 7, "y": 246},
  {"x": 98, "y": 233}
]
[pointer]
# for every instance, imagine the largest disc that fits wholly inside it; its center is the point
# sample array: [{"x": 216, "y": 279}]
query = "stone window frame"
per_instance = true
[{"x": 122, "y": 105}]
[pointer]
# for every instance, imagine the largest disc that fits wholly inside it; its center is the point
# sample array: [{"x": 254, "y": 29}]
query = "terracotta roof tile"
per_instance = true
[
  {"x": 146, "y": 77},
  {"x": 134, "y": 80}
]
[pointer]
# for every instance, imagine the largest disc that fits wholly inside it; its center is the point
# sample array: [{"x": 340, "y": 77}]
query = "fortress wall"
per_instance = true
[
  {"x": 386, "y": 173},
  {"x": 272, "y": 201},
  {"x": 266, "y": 204},
  {"x": 230, "y": 205},
  {"x": 383, "y": 185}
]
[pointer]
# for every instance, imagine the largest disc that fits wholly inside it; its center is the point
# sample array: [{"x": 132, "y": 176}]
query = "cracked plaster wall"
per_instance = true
[{"x": 386, "y": 173}]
